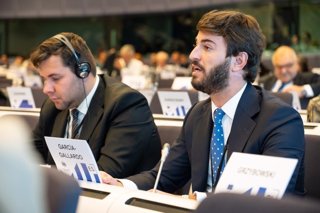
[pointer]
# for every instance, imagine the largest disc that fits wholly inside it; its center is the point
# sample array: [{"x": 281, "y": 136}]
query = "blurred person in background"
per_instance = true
[
  {"x": 127, "y": 63},
  {"x": 288, "y": 78}
]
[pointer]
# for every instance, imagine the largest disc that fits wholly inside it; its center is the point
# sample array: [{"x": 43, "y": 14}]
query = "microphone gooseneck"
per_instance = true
[{"x": 164, "y": 153}]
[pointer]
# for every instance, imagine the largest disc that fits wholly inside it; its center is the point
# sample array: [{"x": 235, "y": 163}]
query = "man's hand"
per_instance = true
[
  {"x": 108, "y": 179},
  {"x": 294, "y": 88}
]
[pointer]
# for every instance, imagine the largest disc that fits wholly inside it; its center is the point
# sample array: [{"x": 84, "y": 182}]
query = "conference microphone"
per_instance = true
[{"x": 164, "y": 154}]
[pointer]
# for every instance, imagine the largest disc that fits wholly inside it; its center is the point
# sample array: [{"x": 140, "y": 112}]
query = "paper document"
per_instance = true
[{"x": 74, "y": 157}]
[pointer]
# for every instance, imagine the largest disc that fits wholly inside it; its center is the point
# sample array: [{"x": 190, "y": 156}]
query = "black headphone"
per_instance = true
[{"x": 82, "y": 69}]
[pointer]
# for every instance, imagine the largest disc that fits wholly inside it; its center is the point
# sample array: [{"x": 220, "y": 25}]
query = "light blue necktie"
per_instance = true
[{"x": 217, "y": 144}]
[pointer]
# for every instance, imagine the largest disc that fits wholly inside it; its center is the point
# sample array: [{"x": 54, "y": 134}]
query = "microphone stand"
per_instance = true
[{"x": 164, "y": 154}]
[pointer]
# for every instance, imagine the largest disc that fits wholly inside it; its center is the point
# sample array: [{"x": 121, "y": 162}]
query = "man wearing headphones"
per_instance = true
[{"x": 114, "y": 119}]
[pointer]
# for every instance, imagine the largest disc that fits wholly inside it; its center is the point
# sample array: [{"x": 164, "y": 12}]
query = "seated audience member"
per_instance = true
[
  {"x": 225, "y": 61},
  {"x": 4, "y": 61},
  {"x": 288, "y": 78},
  {"x": 163, "y": 68},
  {"x": 114, "y": 119},
  {"x": 127, "y": 63},
  {"x": 303, "y": 64}
]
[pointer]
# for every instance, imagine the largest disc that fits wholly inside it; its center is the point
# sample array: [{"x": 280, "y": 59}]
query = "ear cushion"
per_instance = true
[{"x": 83, "y": 70}]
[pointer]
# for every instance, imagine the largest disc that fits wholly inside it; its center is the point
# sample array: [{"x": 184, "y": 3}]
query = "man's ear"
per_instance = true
[{"x": 240, "y": 61}]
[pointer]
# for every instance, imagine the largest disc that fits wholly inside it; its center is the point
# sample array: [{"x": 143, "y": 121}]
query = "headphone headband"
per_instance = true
[{"x": 82, "y": 69}]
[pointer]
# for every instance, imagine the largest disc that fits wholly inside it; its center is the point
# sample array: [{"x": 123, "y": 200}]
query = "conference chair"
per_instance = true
[
  {"x": 38, "y": 96},
  {"x": 312, "y": 168},
  {"x": 231, "y": 203},
  {"x": 4, "y": 82},
  {"x": 284, "y": 96},
  {"x": 168, "y": 134},
  {"x": 165, "y": 83},
  {"x": 62, "y": 191}
]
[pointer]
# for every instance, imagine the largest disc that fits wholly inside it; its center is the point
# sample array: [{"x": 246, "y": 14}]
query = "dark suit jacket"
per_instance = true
[
  {"x": 262, "y": 125},
  {"x": 301, "y": 79},
  {"x": 118, "y": 126}
]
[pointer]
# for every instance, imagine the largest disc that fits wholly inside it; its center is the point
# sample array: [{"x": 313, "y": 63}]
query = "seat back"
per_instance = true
[
  {"x": 312, "y": 168},
  {"x": 230, "y": 203},
  {"x": 284, "y": 96},
  {"x": 63, "y": 191},
  {"x": 38, "y": 96},
  {"x": 168, "y": 134}
]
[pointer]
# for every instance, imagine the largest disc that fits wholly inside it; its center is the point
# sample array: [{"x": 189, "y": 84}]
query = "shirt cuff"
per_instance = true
[
  {"x": 308, "y": 91},
  {"x": 128, "y": 184},
  {"x": 200, "y": 196}
]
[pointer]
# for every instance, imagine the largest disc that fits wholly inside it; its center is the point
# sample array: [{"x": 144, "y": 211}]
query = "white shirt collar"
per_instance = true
[
  {"x": 230, "y": 106},
  {"x": 278, "y": 84},
  {"x": 83, "y": 107}
]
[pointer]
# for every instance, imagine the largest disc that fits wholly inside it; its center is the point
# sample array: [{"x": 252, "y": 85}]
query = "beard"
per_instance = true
[{"x": 215, "y": 81}]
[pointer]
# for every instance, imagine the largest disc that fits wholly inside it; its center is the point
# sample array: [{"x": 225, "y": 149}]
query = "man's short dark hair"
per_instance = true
[
  {"x": 241, "y": 32},
  {"x": 53, "y": 46}
]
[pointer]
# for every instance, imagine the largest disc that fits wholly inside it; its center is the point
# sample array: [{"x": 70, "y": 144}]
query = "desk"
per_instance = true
[
  {"x": 31, "y": 116},
  {"x": 311, "y": 128},
  {"x": 96, "y": 198},
  {"x": 19, "y": 111}
]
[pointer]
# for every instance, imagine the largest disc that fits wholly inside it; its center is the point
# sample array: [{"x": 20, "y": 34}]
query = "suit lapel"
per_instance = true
[
  {"x": 94, "y": 113},
  {"x": 60, "y": 123},
  {"x": 200, "y": 151},
  {"x": 243, "y": 124}
]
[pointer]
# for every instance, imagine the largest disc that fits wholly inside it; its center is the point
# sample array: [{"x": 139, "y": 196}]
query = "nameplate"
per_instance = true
[
  {"x": 20, "y": 97},
  {"x": 74, "y": 157},
  {"x": 174, "y": 103},
  {"x": 182, "y": 83},
  {"x": 259, "y": 175}
]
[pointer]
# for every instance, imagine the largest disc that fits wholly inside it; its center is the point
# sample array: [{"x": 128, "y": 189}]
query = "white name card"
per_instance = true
[
  {"x": 182, "y": 83},
  {"x": 74, "y": 157},
  {"x": 174, "y": 103},
  {"x": 20, "y": 97},
  {"x": 259, "y": 175}
]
